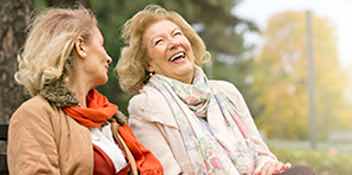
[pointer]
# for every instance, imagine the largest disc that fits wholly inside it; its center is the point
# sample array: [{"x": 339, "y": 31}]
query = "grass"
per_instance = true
[{"x": 327, "y": 159}]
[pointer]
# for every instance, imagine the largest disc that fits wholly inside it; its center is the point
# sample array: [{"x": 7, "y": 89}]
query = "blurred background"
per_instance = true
[{"x": 290, "y": 59}]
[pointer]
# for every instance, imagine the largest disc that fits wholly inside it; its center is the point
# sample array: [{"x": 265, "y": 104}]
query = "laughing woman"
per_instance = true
[
  {"x": 68, "y": 127},
  {"x": 192, "y": 124}
]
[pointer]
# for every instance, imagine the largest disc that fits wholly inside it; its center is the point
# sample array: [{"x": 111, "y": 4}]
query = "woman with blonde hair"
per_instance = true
[
  {"x": 68, "y": 127},
  {"x": 192, "y": 124}
]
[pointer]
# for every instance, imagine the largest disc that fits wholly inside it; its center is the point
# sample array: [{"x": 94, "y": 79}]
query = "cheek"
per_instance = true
[
  {"x": 187, "y": 43},
  {"x": 156, "y": 54}
]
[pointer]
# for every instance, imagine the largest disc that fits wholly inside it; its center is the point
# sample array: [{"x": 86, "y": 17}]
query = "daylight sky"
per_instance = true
[{"x": 339, "y": 13}]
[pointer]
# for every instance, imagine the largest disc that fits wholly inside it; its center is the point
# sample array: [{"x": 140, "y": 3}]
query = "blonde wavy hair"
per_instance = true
[
  {"x": 50, "y": 44},
  {"x": 131, "y": 67}
]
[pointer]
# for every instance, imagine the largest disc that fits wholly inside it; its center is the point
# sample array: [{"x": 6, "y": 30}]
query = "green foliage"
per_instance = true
[
  {"x": 40, "y": 4},
  {"x": 280, "y": 78}
]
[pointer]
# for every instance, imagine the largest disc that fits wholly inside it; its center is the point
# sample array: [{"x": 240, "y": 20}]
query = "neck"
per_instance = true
[
  {"x": 80, "y": 88},
  {"x": 188, "y": 79}
]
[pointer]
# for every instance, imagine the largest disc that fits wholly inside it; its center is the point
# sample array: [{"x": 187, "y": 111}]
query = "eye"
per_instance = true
[
  {"x": 157, "y": 42},
  {"x": 177, "y": 33}
]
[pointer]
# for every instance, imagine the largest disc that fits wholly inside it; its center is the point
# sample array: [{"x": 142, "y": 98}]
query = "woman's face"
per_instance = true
[
  {"x": 97, "y": 60},
  {"x": 169, "y": 51}
]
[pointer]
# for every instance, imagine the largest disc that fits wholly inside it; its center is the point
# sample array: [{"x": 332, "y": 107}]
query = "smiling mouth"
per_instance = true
[
  {"x": 107, "y": 68},
  {"x": 177, "y": 56}
]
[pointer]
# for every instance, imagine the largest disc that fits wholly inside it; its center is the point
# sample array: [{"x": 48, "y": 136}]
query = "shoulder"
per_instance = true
[
  {"x": 35, "y": 104},
  {"x": 146, "y": 99},
  {"x": 225, "y": 87},
  {"x": 33, "y": 110},
  {"x": 221, "y": 83},
  {"x": 230, "y": 91},
  {"x": 150, "y": 105}
]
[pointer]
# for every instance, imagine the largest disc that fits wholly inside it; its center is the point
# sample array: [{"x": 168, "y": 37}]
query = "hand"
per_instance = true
[{"x": 272, "y": 168}]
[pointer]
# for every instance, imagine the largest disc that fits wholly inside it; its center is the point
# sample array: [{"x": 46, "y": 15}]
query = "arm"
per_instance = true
[
  {"x": 266, "y": 162},
  {"x": 31, "y": 145},
  {"x": 152, "y": 138},
  {"x": 264, "y": 154}
]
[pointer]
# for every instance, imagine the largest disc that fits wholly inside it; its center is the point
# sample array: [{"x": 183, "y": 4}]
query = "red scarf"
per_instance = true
[
  {"x": 98, "y": 110},
  {"x": 147, "y": 163}
]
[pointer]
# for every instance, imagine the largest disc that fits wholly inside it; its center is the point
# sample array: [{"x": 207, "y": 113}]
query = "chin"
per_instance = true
[
  {"x": 102, "y": 81},
  {"x": 186, "y": 70}
]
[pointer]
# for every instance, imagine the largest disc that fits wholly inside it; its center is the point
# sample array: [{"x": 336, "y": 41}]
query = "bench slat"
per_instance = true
[
  {"x": 3, "y": 159},
  {"x": 3, "y": 132},
  {"x": 3, "y": 164}
]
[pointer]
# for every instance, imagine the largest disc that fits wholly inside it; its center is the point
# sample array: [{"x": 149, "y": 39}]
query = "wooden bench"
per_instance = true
[{"x": 3, "y": 160}]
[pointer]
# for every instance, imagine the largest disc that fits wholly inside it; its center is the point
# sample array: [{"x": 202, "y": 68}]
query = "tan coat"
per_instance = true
[
  {"x": 43, "y": 140},
  {"x": 152, "y": 122}
]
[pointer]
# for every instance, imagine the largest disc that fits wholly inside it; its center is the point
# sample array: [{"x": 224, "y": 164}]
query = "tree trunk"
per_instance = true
[
  {"x": 14, "y": 17},
  {"x": 68, "y": 3}
]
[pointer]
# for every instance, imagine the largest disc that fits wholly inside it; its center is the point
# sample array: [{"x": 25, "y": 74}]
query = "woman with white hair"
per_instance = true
[
  {"x": 192, "y": 124},
  {"x": 68, "y": 127}
]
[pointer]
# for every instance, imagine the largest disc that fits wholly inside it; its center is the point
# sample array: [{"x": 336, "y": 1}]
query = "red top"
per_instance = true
[
  {"x": 103, "y": 165},
  {"x": 147, "y": 164}
]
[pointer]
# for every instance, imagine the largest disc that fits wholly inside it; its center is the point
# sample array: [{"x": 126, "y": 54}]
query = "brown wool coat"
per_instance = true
[{"x": 43, "y": 140}]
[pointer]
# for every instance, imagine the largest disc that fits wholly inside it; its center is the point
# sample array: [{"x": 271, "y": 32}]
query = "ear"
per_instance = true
[
  {"x": 150, "y": 68},
  {"x": 80, "y": 47}
]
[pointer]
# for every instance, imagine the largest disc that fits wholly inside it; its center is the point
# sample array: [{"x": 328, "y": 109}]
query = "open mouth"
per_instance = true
[{"x": 178, "y": 56}]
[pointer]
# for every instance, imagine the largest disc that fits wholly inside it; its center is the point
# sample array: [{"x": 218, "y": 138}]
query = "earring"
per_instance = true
[
  {"x": 151, "y": 74},
  {"x": 66, "y": 79}
]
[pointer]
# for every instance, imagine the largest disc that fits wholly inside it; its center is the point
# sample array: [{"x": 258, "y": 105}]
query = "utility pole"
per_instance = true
[
  {"x": 209, "y": 67},
  {"x": 311, "y": 80}
]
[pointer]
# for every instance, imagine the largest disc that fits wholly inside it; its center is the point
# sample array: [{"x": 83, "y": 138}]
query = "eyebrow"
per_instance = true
[
  {"x": 172, "y": 31},
  {"x": 176, "y": 28}
]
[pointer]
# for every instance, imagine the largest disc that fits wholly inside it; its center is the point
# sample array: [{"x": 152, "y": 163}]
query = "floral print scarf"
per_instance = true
[{"x": 213, "y": 134}]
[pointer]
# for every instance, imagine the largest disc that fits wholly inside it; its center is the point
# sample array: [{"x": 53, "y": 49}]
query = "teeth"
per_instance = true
[{"x": 180, "y": 54}]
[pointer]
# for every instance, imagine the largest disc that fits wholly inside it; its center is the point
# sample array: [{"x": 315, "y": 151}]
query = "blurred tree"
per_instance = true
[
  {"x": 221, "y": 30},
  {"x": 14, "y": 17},
  {"x": 68, "y": 3},
  {"x": 280, "y": 77}
]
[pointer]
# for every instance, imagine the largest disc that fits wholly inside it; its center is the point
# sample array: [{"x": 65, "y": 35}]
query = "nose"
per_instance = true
[
  {"x": 109, "y": 59},
  {"x": 174, "y": 43}
]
